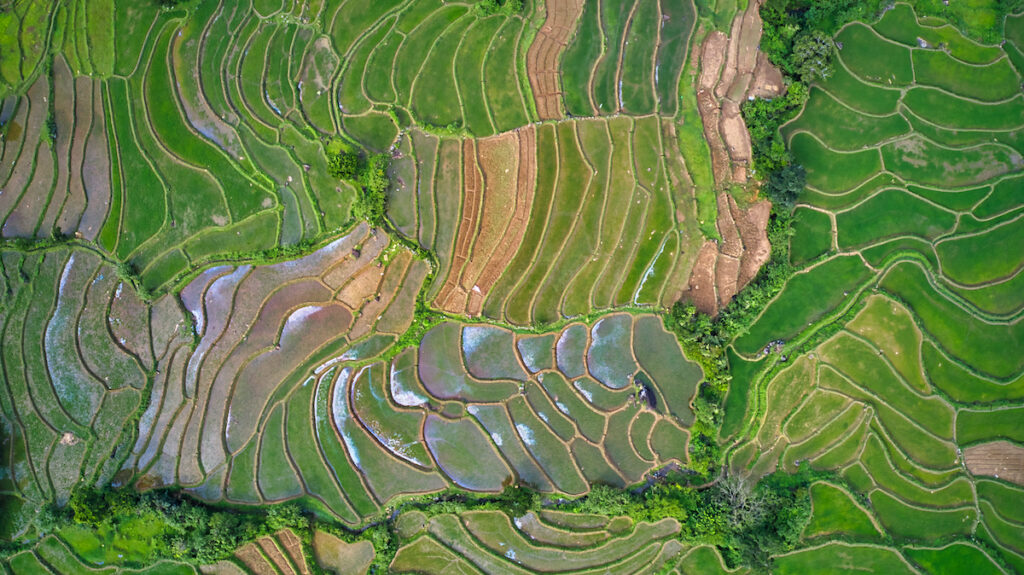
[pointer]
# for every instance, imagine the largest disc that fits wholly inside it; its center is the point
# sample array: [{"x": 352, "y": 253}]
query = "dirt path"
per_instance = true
[{"x": 542, "y": 57}]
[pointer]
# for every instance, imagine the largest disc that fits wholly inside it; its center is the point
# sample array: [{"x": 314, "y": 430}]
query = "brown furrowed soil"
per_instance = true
[
  {"x": 1000, "y": 459},
  {"x": 271, "y": 550},
  {"x": 293, "y": 546},
  {"x": 542, "y": 58},
  {"x": 497, "y": 210},
  {"x": 254, "y": 560}
]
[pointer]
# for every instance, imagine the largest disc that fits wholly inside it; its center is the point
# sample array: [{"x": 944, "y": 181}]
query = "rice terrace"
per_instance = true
[{"x": 512, "y": 286}]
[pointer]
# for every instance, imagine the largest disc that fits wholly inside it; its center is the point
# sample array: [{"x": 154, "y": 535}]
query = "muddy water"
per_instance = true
[{"x": 12, "y": 132}]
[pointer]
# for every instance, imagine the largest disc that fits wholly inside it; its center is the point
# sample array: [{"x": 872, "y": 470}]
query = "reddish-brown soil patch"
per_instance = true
[
  {"x": 727, "y": 269},
  {"x": 254, "y": 561},
  {"x": 724, "y": 268},
  {"x": 542, "y": 57},
  {"x": 293, "y": 547},
  {"x": 275, "y": 555},
  {"x": 767, "y": 81},
  {"x": 386, "y": 292},
  {"x": 495, "y": 218},
  {"x": 731, "y": 245},
  {"x": 362, "y": 287},
  {"x": 398, "y": 316},
  {"x": 1000, "y": 459},
  {"x": 702, "y": 280},
  {"x": 753, "y": 226}
]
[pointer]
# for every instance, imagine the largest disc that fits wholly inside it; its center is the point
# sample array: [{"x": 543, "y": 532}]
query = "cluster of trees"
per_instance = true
[
  {"x": 171, "y": 526},
  {"x": 485, "y": 8},
  {"x": 370, "y": 173},
  {"x": 748, "y": 522}
]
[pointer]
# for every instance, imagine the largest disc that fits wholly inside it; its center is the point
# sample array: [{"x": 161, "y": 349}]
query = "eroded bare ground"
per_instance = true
[
  {"x": 542, "y": 57},
  {"x": 732, "y": 70},
  {"x": 727, "y": 266},
  {"x": 1000, "y": 459}
]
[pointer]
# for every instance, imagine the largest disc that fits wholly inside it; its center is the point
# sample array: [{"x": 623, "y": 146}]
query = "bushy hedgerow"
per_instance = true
[
  {"x": 485, "y": 8},
  {"x": 175, "y": 527}
]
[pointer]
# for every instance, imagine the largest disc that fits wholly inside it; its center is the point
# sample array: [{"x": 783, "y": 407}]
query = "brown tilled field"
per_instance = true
[
  {"x": 1000, "y": 459},
  {"x": 499, "y": 176},
  {"x": 542, "y": 58}
]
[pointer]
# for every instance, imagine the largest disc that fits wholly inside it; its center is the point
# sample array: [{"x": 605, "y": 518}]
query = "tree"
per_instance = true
[
  {"x": 785, "y": 184},
  {"x": 344, "y": 165},
  {"x": 812, "y": 56}
]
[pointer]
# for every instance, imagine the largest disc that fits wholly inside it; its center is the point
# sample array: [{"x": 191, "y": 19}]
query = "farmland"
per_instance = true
[
  {"x": 510, "y": 286},
  {"x": 901, "y": 146}
]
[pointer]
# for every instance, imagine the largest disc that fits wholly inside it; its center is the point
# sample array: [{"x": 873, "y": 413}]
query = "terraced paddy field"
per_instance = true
[
  {"x": 554, "y": 221},
  {"x": 460, "y": 355},
  {"x": 896, "y": 360}
]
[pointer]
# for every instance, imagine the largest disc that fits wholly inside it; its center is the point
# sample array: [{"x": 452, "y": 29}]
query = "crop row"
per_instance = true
[
  {"x": 636, "y": 65},
  {"x": 905, "y": 310},
  {"x": 77, "y": 349},
  {"x": 493, "y": 542},
  {"x": 528, "y": 246}
]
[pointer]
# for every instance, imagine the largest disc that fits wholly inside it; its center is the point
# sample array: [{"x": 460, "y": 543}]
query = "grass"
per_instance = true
[
  {"x": 789, "y": 313},
  {"x": 857, "y": 94},
  {"x": 955, "y": 559},
  {"x": 990, "y": 83},
  {"x": 605, "y": 78},
  {"x": 578, "y": 60},
  {"x": 888, "y": 214},
  {"x": 435, "y": 96},
  {"x": 812, "y": 236},
  {"x": 636, "y": 80},
  {"x": 900, "y": 24},
  {"x": 676, "y": 33},
  {"x": 983, "y": 257},
  {"x": 697, "y": 156},
  {"x": 833, "y": 172},
  {"x": 874, "y": 59},
  {"x": 920, "y": 524},
  {"x": 955, "y": 113},
  {"x": 920, "y": 161},
  {"x": 835, "y": 513},
  {"x": 843, "y": 129},
  {"x": 469, "y": 75},
  {"x": 979, "y": 426},
  {"x": 500, "y": 79},
  {"x": 975, "y": 342},
  {"x": 843, "y": 558}
]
